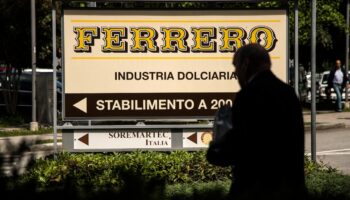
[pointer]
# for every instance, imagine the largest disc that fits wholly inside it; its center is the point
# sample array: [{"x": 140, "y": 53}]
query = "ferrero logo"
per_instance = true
[
  {"x": 173, "y": 39},
  {"x": 207, "y": 137}
]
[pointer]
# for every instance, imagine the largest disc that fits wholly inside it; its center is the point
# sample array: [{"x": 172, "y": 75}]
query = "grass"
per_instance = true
[
  {"x": 309, "y": 123},
  {"x": 46, "y": 141},
  {"x": 25, "y": 132},
  {"x": 8, "y": 121}
]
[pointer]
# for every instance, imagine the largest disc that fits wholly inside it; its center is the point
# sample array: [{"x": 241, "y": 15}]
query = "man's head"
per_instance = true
[
  {"x": 337, "y": 64},
  {"x": 249, "y": 60}
]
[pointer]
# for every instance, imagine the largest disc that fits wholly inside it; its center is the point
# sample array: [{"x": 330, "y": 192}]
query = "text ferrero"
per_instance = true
[{"x": 171, "y": 39}]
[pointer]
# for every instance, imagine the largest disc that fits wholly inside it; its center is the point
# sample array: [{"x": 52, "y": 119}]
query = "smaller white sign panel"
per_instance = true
[
  {"x": 196, "y": 139},
  {"x": 122, "y": 139}
]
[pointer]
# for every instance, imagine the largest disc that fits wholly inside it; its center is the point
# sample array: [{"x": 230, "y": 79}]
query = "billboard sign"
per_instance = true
[{"x": 138, "y": 64}]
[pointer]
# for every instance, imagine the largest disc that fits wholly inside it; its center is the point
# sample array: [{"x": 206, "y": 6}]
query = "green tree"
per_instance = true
[
  {"x": 44, "y": 33},
  {"x": 331, "y": 28},
  {"x": 15, "y": 48},
  {"x": 330, "y": 31},
  {"x": 329, "y": 17}
]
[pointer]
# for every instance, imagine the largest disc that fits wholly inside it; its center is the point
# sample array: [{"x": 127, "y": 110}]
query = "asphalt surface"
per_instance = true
[
  {"x": 332, "y": 147},
  {"x": 332, "y": 138}
]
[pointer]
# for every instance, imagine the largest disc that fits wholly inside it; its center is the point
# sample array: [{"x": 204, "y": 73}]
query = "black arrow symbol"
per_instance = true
[{"x": 85, "y": 139}]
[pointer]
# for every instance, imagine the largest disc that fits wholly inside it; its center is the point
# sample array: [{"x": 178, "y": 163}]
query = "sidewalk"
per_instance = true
[
  {"x": 14, "y": 141},
  {"x": 328, "y": 120},
  {"x": 324, "y": 120}
]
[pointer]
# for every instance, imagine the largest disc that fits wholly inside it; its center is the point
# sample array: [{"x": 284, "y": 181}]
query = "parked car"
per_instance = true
[{"x": 321, "y": 86}]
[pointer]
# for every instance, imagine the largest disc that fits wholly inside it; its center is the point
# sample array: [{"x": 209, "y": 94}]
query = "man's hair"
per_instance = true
[{"x": 253, "y": 57}]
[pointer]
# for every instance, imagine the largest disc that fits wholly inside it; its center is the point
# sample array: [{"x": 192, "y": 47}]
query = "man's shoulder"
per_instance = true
[
  {"x": 269, "y": 85},
  {"x": 270, "y": 80}
]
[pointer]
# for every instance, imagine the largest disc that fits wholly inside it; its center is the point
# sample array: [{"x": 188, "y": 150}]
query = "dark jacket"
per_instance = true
[
  {"x": 266, "y": 145},
  {"x": 331, "y": 77}
]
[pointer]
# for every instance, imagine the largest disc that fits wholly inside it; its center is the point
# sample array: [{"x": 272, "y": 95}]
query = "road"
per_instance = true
[{"x": 332, "y": 147}]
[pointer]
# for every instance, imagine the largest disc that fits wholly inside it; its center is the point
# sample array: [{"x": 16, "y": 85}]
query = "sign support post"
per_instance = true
[
  {"x": 296, "y": 47},
  {"x": 54, "y": 67},
  {"x": 313, "y": 81},
  {"x": 347, "y": 104},
  {"x": 34, "y": 126}
]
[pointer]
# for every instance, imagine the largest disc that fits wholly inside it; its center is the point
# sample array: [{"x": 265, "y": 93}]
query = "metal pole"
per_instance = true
[
  {"x": 296, "y": 47},
  {"x": 54, "y": 64},
  {"x": 33, "y": 124},
  {"x": 347, "y": 54},
  {"x": 313, "y": 82}
]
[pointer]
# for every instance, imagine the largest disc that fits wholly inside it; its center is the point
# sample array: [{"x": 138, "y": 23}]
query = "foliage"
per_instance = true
[
  {"x": 15, "y": 20},
  {"x": 148, "y": 176},
  {"x": 15, "y": 120},
  {"x": 199, "y": 190},
  {"x": 15, "y": 34},
  {"x": 104, "y": 170},
  {"x": 311, "y": 167},
  {"x": 330, "y": 20},
  {"x": 331, "y": 28},
  {"x": 325, "y": 182},
  {"x": 44, "y": 33},
  {"x": 328, "y": 185},
  {"x": 330, "y": 32}
]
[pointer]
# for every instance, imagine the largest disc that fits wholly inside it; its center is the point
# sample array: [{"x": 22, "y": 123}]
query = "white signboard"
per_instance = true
[{"x": 161, "y": 63}]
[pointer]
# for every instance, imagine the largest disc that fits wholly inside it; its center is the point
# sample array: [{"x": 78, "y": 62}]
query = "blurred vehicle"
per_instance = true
[
  {"x": 44, "y": 91},
  {"x": 47, "y": 72},
  {"x": 307, "y": 99}
]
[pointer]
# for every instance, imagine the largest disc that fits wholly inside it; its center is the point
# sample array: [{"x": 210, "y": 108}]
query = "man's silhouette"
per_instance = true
[{"x": 266, "y": 144}]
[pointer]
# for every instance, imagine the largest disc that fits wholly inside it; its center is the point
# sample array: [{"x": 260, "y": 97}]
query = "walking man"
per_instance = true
[
  {"x": 266, "y": 144},
  {"x": 337, "y": 80}
]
